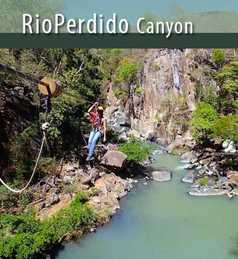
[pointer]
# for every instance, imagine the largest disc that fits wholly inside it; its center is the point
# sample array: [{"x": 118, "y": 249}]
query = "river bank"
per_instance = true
[
  {"x": 160, "y": 220},
  {"x": 75, "y": 200}
]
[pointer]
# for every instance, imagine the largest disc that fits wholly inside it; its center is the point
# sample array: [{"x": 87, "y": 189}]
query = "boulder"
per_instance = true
[
  {"x": 161, "y": 176},
  {"x": 91, "y": 177},
  {"x": 188, "y": 157},
  {"x": 176, "y": 145},
  {"x": 114, "y": 158},
  {"x": 188, "y": 178},
  {"x": 189, "y": 166},
  {"x": 231, "y": 148},
  {"x": 207, "y": 192},
  {"x": 162, "y": 142},
  {"x": 226, "y": 143}
]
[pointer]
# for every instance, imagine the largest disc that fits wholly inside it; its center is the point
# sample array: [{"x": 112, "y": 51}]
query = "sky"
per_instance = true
[{"x": 133, "y": 8}]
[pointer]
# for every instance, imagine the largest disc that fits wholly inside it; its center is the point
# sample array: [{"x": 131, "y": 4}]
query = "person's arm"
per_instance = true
[
  {"x": 92, "y": 107},
  {"x": 104, "y": 130}
]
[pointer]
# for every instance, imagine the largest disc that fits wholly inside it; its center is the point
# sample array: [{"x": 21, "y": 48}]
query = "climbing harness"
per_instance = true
[{"x": 48, "y": 88}]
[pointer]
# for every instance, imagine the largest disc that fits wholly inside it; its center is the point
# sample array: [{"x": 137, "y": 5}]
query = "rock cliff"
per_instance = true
[{"x": 165, "y": 97}]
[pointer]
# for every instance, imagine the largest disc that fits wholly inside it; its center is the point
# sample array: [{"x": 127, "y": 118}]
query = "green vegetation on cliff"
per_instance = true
[
  {"x": 203, "y": 121},
  {"x": 126, "y": 71},
  {"x": 216, "y": 113},
  {"x": 218, "y": 56},
  {"x": 23, "y": 235}
]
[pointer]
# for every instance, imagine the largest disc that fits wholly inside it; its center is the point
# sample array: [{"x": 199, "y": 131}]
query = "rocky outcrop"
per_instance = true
[
  {"x": 188, "y": 157},
  {"x": 162, "y": 107},
  {"x": 110, "y": 189},
  {"x": 103, "y": 187},
  {"x": 211, "y": 171}
]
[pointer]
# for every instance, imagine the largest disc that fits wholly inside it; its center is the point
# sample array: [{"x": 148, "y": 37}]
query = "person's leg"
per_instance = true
[
  {"x": 96, "y": 136},
  {"x": 90, "y": 139}
]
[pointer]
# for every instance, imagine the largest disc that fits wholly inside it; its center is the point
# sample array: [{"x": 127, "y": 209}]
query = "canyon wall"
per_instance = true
[{"x": 167, "y": 83}]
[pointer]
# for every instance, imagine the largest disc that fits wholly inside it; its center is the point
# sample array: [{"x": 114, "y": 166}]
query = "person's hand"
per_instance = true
[
  {"x": 96, "y": 104},
  {"x": 104, "y": 140}
]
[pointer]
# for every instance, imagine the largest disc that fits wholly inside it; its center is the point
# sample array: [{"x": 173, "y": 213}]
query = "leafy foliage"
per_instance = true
[
  {"x": 23, "y": 235},
  {"x": 139, "y": 90},
  {"x": 135, "y": 150},
  {"x": 121, "y": 92},
  {"x": 203, "y": 181},
  {"x": 110, "y": 61},
  {"x": 209, "y": 123},
  {"x": 226, "y": 127},
  {"x": 126, "y": 71},
  {"x": 218, "y": 56},
  {"x": 228, "y": 80},
  {"x": 203, "y": 120}
]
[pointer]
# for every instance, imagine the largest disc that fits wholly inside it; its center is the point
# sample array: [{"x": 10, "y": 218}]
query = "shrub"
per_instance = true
[
  {"x": 47, "y": 165},
  {"x": 229, "y": 71},
  {"x": 235, "y": 104},
  {"x": 111, "y": 61},
  {"x": 126, "y": 71},
  {"x": 135, "y": 150},
  {"x": 7, "y": 199},
  {"x": 25, "y": 199},
  {"x": 139, "y": 90},
  {"x": 120, "y": 92},
  {"x": 203, "y": 119},
  {"x": 228, "y": 81},
  {"x": 112, "y": 136},
  {"x": 226, "y": 127},
  {"x": 218, "y": 56},
  {"x": 203, "y": 181}
]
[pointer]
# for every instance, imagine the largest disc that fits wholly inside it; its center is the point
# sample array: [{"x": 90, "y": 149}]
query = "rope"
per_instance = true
[{"x": 33, "y": 172}]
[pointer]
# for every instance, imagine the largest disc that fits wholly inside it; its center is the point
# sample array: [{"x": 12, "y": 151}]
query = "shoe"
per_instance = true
[{"x": 89, "y": 158}]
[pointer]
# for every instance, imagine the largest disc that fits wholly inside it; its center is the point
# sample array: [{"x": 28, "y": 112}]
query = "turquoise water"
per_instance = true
[{"x": 160, "y": 221}]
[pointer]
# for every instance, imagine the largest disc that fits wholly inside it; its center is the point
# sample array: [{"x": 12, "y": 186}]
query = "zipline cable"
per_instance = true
[{"x": 33, "y": 172}]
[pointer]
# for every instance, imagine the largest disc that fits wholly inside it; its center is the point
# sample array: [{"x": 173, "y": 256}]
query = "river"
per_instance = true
[{"x": 160, "y": 221}]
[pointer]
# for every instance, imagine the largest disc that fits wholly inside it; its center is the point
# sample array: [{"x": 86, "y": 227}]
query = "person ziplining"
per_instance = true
[
  {"x": 99, "y": 128},
  {"x": 49, "y": 88}
]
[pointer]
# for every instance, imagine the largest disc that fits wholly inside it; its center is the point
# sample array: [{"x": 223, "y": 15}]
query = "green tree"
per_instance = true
[
  {"x": 127, "y": 70},
  {"x": 218, "y": 56},
  {"x": 226, "y": 127},
  {"x": 228, "y": 81},
  {"x": 203, "y": 119}
]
